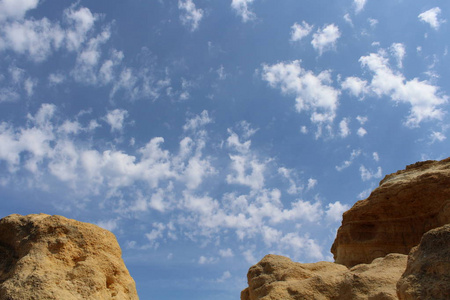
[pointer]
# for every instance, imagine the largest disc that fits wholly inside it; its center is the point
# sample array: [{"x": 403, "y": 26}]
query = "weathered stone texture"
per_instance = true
[
  {"x": 52, "y": 257},
  {"x": 394, "y": 217}
]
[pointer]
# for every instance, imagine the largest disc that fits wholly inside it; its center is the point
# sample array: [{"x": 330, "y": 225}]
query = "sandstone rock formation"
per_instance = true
[
  {"x": 277, "y": 277},
  {"x": 52, "y": 257},
  {"x": 396, "y": 215},
  {"x": 409, "y": 206},
  {"x": 427, "y": 274}
]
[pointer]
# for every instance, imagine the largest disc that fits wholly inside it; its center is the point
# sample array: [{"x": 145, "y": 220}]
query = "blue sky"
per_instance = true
[{"x": 206, "y": 134}]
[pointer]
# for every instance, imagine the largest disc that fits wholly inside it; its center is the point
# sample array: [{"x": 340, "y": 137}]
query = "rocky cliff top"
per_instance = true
[{"x": 52, "y": 257}]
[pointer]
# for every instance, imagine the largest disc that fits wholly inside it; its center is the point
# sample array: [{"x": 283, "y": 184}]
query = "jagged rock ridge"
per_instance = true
[{"x": 52, "y": 257}]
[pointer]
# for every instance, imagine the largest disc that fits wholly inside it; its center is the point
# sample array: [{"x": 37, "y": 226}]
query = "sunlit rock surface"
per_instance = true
[
  {"x": 277, "y": 277},
  {"x": 52, "y": 257},
  {"x": 394, "y": 217}
]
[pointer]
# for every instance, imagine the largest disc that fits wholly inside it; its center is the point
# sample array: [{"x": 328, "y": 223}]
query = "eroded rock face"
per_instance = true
[
  {"x": 277, "y": 277},
  {"x": 52, "y": 257},
  {"x": 394, "y": 217},
  {"x": 427, "y": 274}
]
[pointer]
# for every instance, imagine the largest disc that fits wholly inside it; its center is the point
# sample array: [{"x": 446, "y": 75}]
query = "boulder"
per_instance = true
[
  {"x": 427, "y": 274},
  {"x": 277, "y": 277},
  {"x": 52, "y": 257},
  {"x": 394, "y": 217}
]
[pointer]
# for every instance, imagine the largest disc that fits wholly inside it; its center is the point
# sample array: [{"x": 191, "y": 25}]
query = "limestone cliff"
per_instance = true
[
  {"x": 52, "y": 257},
  {"x": 396, "y": 215}
]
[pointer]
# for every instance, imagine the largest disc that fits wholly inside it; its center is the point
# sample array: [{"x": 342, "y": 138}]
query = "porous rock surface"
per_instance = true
[
  {"x": 427, "y": 274},
  {"x": 277, "y": 277},
  {"x": 52, "y": 257},
  {"x": 394, "y": 217}
]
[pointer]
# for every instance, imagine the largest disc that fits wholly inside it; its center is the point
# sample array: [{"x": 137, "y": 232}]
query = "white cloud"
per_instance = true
[
  {"x": 300, "y": 31},
  {"x": 344, "y": 130},
  {"x": 356, "y": 86},
  {"x": 368, "y": 174},
  {"x": 399, "y": 52},
  {"x": 325, "y": 38},
  {"x": 226, "y": 275},
  {"x": 242, "y": 9},
  {"x": 425, "y": 99},
  {"x": 249, "y": 257},
  {"x": 16, "y": 9},
  {"x": 34, "y": 38},
  {"x": 335, "y": 210},
  {"x": 375, "y": 156},
  {"x": 287, "y": 173},
  {"x": 361, "y": 132},
  {"x": 110, "y": 225},
  {"x": 431, "y": 17},
  {"x": 226, "y": 252},
  {"x": 81, "y": 21},
  {"x": 359, "y": 5},
  {"x": 348, "y": 19},
  {"x": 372, "y": 22},
  {"x": 362, "y": 119},
  {"x": 56, "y": 78},
  {"x": 311, "y": 183},
  {"x": 247, "y": 171},
  {"x": 313, "y": 93},
  {"x": 348, "y": 163},
  {"x": 437, "y": 136},
  {"x": 198, "y": 121},
  {"x": 115, "y": 119},
  {"x": 155, "y": 234},
  {"x": 206, "y": 260},
  {"x": 191, "y": 15},
  {"x": 39, "y": 38}
]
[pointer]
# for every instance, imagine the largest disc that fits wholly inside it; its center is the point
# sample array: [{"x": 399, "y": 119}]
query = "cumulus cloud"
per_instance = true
[
  {"x": 198, "y": 121},
  {"x": 399, "y": 52},
  {"x": 40, "y": 38},
  {"x": 242, "y": 9},
  {"x": 431, "y": 17},
  {"x": 166, "y": 181},
  {"x": 115, "y": 119},
  {"x": 335, "y": 210},
  {"x": 311, "y": 183},
  {"x": 16, "y": 9},
  {"x": 325, "y": 38},
  {"x": 344, "y": 130},
  {"x": 348, "y": 163},
  {"x": 294, "y": 188},
  {"x": 359, "y": 5},
  {"x": 313, "y": 93},
  {"x": 425, "y": 99},
  {"x": 300, "y": 31},
  {"x": 191, "y": 16},
  {"x": 367, "y": 174},
  {"x": 361, "y": 132},
  {"x": 356, "y": 86},
  {"x": 437, "y": 136},
  {"x": 226, "y": 252},
  {"x": 247, "y": 169}
]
